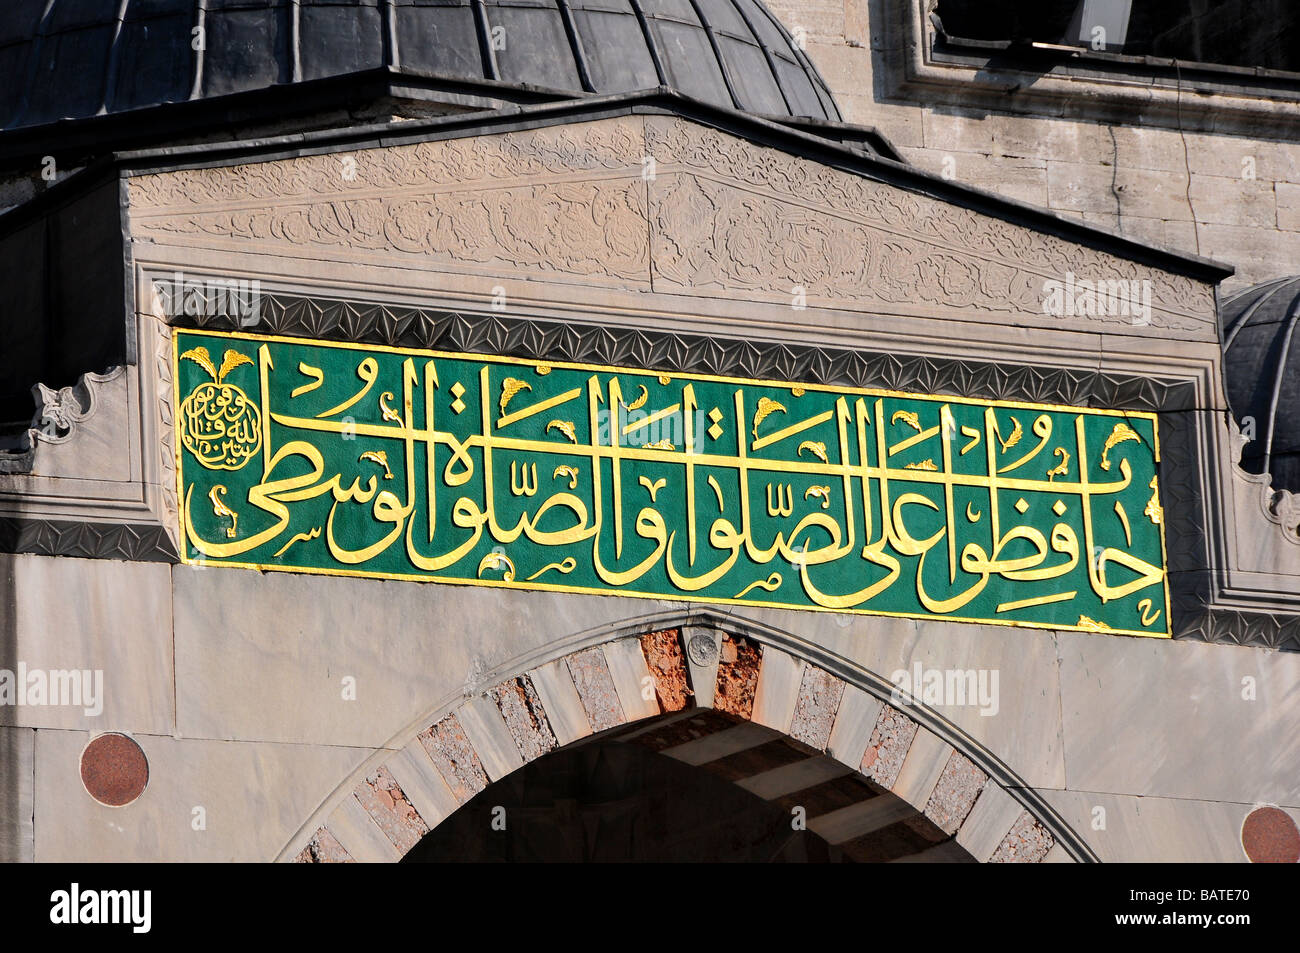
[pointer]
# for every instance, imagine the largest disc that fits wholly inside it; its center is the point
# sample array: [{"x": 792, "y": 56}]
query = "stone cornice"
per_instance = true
[{"x": 373, "y": 323}]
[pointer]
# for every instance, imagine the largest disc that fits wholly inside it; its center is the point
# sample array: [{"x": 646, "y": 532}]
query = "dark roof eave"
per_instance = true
[
  {"x": 127, "y": 129},
  {"x": 657, "y": 101},
  {"x": 838, "y": 131}
]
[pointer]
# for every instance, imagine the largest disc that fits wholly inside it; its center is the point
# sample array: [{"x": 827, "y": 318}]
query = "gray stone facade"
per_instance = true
[{"x": 300, "y": 717}]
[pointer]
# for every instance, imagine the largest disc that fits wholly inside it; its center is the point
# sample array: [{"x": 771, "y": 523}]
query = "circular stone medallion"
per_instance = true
[
  {"x": 114, "y": 769},
  {"x": 1269, "y": 836}
]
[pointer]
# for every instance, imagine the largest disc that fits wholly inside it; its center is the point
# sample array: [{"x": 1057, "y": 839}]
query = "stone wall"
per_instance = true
[{"x": 1188, "y": 190}]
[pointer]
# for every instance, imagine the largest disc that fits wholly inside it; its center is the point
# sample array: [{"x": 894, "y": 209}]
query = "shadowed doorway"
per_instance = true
[{"x": 658, "y": 794}]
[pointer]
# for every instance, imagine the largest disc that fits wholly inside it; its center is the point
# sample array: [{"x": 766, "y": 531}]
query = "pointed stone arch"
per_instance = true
[{"x": 638, "y": 678}]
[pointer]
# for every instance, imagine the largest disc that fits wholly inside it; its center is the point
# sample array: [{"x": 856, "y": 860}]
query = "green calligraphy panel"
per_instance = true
[{"x": 315, "y": 457}]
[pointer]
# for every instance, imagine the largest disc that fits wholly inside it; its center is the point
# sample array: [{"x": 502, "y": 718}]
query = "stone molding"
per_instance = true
[
  {"x": 57, "y": 414},
  {"x": 477, "y": 200},
  {"x": 88, "y": 539},
  {"x": 397, "y": 326}
]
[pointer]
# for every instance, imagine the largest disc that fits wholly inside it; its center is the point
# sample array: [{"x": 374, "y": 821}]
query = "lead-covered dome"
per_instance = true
[
  {"x": 73, "y": 59},
  {"x": 1261, "y": 350}
]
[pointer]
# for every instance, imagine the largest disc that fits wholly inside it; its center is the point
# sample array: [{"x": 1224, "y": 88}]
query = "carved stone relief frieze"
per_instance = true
[
  {"x": 794, "y": 221},
  {"x": 712, "y": 214},
  {"x": 595, "y": 149},
  {"x": 529, "y": 228}
]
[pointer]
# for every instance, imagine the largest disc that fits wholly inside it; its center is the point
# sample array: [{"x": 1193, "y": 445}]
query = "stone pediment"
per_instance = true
[{"x": 657, "y": 203}]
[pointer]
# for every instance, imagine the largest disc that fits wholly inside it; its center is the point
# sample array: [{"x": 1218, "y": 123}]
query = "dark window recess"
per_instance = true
[{"x": 1245, "y": 33}]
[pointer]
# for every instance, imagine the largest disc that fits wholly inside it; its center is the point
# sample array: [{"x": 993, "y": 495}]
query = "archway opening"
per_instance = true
[{"x": 689, "y": 786}]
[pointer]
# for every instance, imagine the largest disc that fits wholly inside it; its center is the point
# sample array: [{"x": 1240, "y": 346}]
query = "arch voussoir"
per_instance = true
[{"x": 778, "y": 725}]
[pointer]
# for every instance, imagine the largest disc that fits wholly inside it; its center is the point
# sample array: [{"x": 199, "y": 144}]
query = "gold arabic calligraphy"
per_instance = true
[{"x": 843, "y": 494}]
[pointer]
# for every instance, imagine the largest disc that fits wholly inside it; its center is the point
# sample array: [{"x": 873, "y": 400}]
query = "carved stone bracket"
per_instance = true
[
  {"x": 58, "y": 413},
  {"x": 1280, "y": 507},
  {"x": 1200, "y": 616},
  {"x": 86, "y": 478}
]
